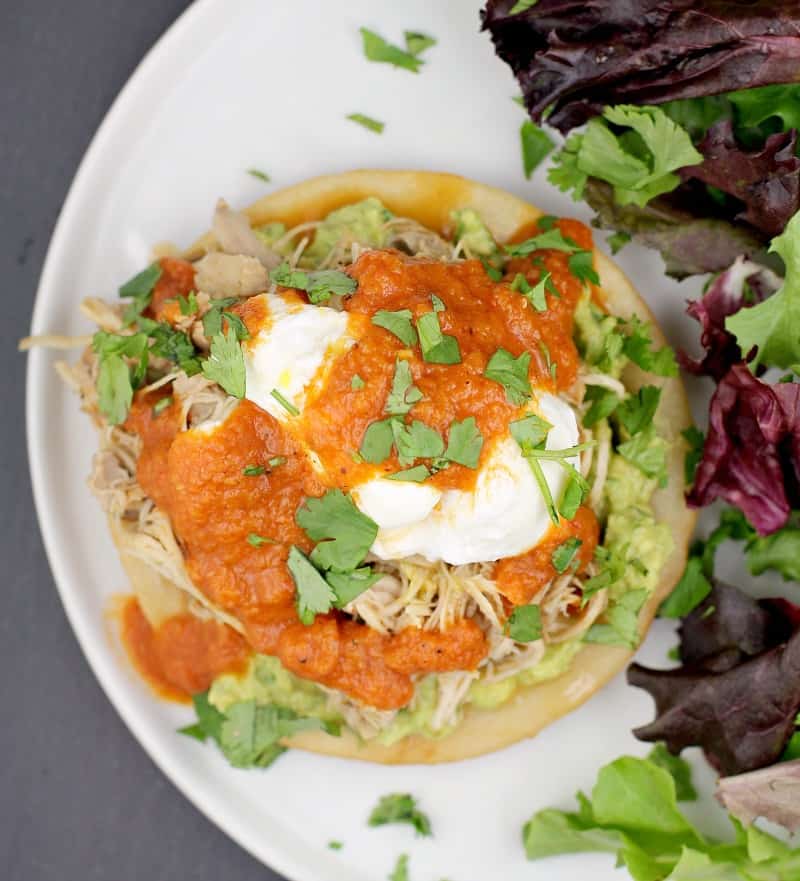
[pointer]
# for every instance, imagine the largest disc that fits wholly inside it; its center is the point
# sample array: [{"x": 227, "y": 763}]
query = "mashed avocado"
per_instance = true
[
  {"x": 473, "y": 233},
  {"x": 597, "y": 338},
  {"x": 362, "y": 222},
  {"x": 270, "y": 233}
]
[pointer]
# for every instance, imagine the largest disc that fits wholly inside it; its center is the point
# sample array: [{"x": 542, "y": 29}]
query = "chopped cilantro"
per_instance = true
[
  {"x": 162, "y": 404},
  {"x": 356, "y": 383},
  {"x": 320, "y": 285},
  {"x": 400, "y": 808},
  {"x": 525, "y": 624},
  {"x": 398, "y": 323},
  {"x": 284, "y": 402},
  {"x": 313, "y": 595},
  {"x": 617, "y": 241},
  {"x": 253, "y": 470},
  {"x": 377, "y": 49},
  {"x": 646, "y": 451},
  {"x": 677, "y": 768},
  {"x": 367, "y": 122},
  {"x": 415, "y": 475},
  {"x": 345, "y": 535},
  {"x": 636, "y": 412},
  {"x": 276, "y": 461},
  {"x": 349, "y": 585},
  {"x": 115, "y": 379},
  {"x": 140, "y": 290},
  {"x": 602, "y": 403},
  {"x": 695, "y": 440},
  {"x": 464, "y": 443},
  {"x": 551, "y": 239},
  {"x": 530, "y": 431},
  {"x": 581, "y": 265},
  {"x": 438, "y": 303},
  {"x": 492, "y": 271},
  {"x": 417, "y": 43},
  {"x": 418, "y": 441},
  {"x": 188, "y": 304},
  {"x": 637, "y": 346},
  {"x": 511, "y": 373},
  {"x": 376, "y": 445},
  {"x": 212, "y": 320},
  {"x": 437, "y": 348},
  {"x": 261, "y": 175},
  {"x": 335, "y": 845},
  {"x": 564, "y": 555},
  {"x": 552, "y": 367},
  {"x": 257, "y": 540},
  {"x": 225, "y": 364},
  {"x": 170, "y": 344},
  {"x": 536, "y": 144},
  {"x": 574, "y": 493},
  {"x": 400, "y": 872},
  {"x": 403, "y": 394},
  {"x": 621, "y": 625}
]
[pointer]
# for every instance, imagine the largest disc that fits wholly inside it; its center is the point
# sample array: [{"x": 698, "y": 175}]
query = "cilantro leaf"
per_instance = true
[
  {"x": 398, "y": 323},
  {"x": 259, "y": 174},
  {"x": 140, "y": 289},
  {"x": 367, "y": 122},
  {"x": 400, "y": 808},
  {"x": 525, "y": 624},
  {"x": 564, "y": 555},
  {"x": 771, "y": 327},
  {"x": 636, "y": 345},
  {"x": 534, "y": 294},
  {"x": 530, "y": 431},
  {"x": 417, "y": 43},
  {"x": 376, "y": 445},
  {"x": 170, "y": 344},
  {"x": 695, "y": 439},
  {"x": 564, "y": 172},
  {"x": 377, "y": 49},
  {"x": 677, "y": 768},
  {"x": 250, "y": 734},
  {"x": 400, "y": 871},
  {"x": 345, "y": 535},
  {"x": 404, "y": 394},
  {"x": 621, "y": 624},
  {"x": 636, "y": 412},
  {"x": 356, "y": 383},
  {"x": 536, "y": 144},
  {"x": 512, "y": 374},
  {"x": 692, "y": 588},
  {"x": 581, "y": 265},
  {"x": 253, "y": 470},
  {"x": 552, "y": 239},
  {"x": 437, "y": 348},
  {"x": 418, "y": 441},
  {"x": 647, "y": 451},
  {"x": 464, "y": 443},
  {"x": 225, "y": 364},
  {"x": 257, "y": 540},
  {"x": 349, "y": 585},
  {"x": 574, "y": 493},
  {"x": 212, "y": 320},
  {"x": 209, "y": 720},
  {"x": 617, "y": 241},
  {"x": 603, "y": 402},
  {"x": 313, "y": 595},
  {"x": 417, "y": 474},
  {"x": 320, "y": 285},
  {"x": 115, "y": 379}
]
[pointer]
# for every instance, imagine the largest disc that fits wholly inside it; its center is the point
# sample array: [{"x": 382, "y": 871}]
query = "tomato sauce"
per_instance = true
[
  {"x": 184, "y": 654},
  {"x": 197, "y": 477},
  {"x": 520, "y": 578},
  {"x": 177, "y": 279}
]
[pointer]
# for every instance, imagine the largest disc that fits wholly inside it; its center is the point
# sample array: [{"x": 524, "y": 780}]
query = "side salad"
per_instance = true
[{"x": 681, "y": 121}]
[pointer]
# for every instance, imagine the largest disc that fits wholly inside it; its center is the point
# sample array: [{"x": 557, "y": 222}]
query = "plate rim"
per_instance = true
[{"x": 267, "y": 854}]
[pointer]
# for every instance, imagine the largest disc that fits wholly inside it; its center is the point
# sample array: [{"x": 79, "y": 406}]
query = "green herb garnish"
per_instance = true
[
  {"x": 377, "y": 49},
  {"x": 398, "y": 323},
  {"x": 565, "y": 554},
  {"x": 437, "y": 348},
  {"x": 225, "y": 364},
  {"x": 284, "y": 402},
  {"x": 367, "y": 122},
  {"x": 320, "y": 285},
  {"x": 525, "y": 624},
  {"x": 400, "y": 808},
  {"x": 257, "y": 540},
  {"x": 512, "y": 374}
]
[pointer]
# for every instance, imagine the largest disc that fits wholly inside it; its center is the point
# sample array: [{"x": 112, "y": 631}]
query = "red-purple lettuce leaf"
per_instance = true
[
  {"x": 743, "y": 461},
  {"x": 739, "y": 698},
  {"x": 743, "y": 284},
  {"x": 578, "y": 57},
  {"x": 772, "y": 793},
  {"x": 766, "y": 180}
]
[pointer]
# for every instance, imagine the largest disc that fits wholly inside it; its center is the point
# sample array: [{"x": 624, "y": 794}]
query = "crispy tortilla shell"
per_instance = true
[{"x": 430, "y": 198}]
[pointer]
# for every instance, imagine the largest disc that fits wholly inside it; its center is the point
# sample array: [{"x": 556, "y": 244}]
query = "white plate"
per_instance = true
[{"x": 241, "y": 83}]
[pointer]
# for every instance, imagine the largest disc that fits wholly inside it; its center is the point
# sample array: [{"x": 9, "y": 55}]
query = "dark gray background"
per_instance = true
[{"x": 79, "y": 799}]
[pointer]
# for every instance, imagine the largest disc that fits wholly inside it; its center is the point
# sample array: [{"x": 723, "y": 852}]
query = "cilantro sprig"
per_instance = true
[
  {"x": 320, "y": 285},
  {"x": 524, "y": 624},
  {"x": 400, "y": 807},
  {"x": 376, "y": 48},
  {"x": 225, "y": 363},
  {"x": 140, "y": 290},
  {"x": 511, "y": 373}
]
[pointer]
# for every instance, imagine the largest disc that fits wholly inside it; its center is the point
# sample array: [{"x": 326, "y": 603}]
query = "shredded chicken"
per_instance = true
[
  {"x": 235, "y": 236},
  {"x": 230, "y": 275},
  {"x": 411, "y": 592}
]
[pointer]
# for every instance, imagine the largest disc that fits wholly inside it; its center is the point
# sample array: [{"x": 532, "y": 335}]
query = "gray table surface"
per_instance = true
[{"x": 79, "y": 799}]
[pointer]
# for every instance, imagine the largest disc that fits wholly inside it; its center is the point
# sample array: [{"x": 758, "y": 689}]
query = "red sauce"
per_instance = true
[
  {"x": 197, "y": 477},
  {"x": 177, "y": 279},
  {"x": 184, "y": 654},
  {"x": 520, "y": 578}
]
